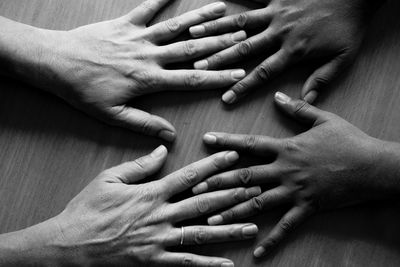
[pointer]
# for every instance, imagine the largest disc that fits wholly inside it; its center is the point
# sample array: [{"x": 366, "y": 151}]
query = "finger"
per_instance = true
[
  {"x": 199, "y": 79},
  {"x": 286, "y": 225},
  {"x": 194, "y": 173},
  {"x": 206, "y": 203},
  {"x": 267, "y": 200},
  {"x": 300, "y": 109},
  {"x": 256, "y": 175},
  {"x": 146, "y": 11},
  {"x": 321, "y": 78},
  {"x": 270, "y": 68},
  {"x": 246, "y": 20},
  {"x": 143, "y": 122},
  {"x": 255, "y": 144},
  {"x": 183, "y": 51},
  {"x": 239, "y": 52},
  {"x": 186, "y": 259},
  {"x": 199, "y": 235},
  {"x": 130, "y": 172},
  {"x": 171, "y": 28}
]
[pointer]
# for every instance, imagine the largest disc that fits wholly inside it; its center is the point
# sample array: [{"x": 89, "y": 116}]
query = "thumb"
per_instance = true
[
  {"x": 143, "y": 122},
  {"x": 300, "y": 109},
  {"x": 321, "y": 78},
  {"x": 141, "y": 168}
]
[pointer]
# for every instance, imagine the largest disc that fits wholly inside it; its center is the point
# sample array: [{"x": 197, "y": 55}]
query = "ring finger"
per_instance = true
[
  {"x": 198, "y": 235},
  {"x": 182, "y": 51}
]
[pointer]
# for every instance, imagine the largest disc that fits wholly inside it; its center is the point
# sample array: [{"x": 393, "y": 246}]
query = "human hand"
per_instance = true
[
  {"x": 99, "y": 68},
  {"x": 334, "y": 164},
  {"x": 118, "y": 220},
  {"x": 293, "y": 31}
]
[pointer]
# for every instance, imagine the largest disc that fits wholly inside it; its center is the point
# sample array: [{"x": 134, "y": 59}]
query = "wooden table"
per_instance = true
[{"x": 49, "y": 151}]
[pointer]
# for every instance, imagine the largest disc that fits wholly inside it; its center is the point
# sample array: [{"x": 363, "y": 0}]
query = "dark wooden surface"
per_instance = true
[{"x": 49, "y": 151}]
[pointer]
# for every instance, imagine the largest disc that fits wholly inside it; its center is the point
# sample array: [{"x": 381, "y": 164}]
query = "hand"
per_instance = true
[
  {"x": 329, "y": 31},
  {"x": 332, "y": 165},
  {"x": 100, "y": 67},
  {"x": 118, "y": 220}
]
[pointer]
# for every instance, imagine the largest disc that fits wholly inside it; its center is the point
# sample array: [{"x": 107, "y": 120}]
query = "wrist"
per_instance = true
[
  {"x": 33, "y": 246},
  {"x": 385, "y": 178}
]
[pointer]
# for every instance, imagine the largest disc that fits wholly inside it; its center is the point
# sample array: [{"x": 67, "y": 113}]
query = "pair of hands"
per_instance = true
[
  {"x": 100, "y": 67},
  {"x": 118, "y": 220}
]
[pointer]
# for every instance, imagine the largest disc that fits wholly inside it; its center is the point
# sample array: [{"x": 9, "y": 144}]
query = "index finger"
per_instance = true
[
  {"x": 194, "y": 173},
  {"x": 256, "y": 144}
]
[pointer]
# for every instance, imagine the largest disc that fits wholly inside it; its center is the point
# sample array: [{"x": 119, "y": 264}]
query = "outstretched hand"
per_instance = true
[
  {"x": 100, "y": 67},
  {"x": 332, "y": 165},
  {"x": 119, "y": 220},
  {"x": 292, "y": 31}
]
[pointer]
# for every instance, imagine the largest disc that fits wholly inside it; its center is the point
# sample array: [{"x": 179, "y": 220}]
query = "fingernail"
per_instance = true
[
  {"x": 200, "y": 188},
  {"x": 232, "y": 156},
  {"x": 197, "y": 31},
  {"x": 229, "y": 97},
  {"x": 253, "y": 191},
  {"x": 227, "y": 264},
  {"x": 239, "y": 36},
  {"x": 210, "y": 139},
  {"x": 214, "y": 220},
  {"x": 282, "y": 98},
  {"x": 238, "y": 74},
  {"x": 250, "y": 230},
  {"x": 219, "y": 8},
  {"x": 311, "y": 96},
  {"x": 259, "y": 252},
  {"x": 201, "y": 65},
  {"x": 167, "y": 135},
  {"x": 159, "y": 151}
]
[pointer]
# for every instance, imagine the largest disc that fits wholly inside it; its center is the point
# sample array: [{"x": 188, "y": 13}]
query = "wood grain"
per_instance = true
[{"x": 49, "y": 151}]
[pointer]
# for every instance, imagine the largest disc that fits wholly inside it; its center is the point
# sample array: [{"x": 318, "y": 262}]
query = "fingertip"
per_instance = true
[
  {"x": 210, "y": 139},
  {"x": 229, "y": 97},
  {"x": 282, "y": 98},
  {"x": 259, "y": 252},
  {"x": 197, "y": 31},
  {"x": 232, "y": 156},
  {"x": 200, "y": 188},
  {"x": 201, "y": 65},
  {"x": 167, "y": 135},
  {"x": 160, "y": 151},
  {"x": 215, "y": 220},
  {"x": 311, "y": 96}
]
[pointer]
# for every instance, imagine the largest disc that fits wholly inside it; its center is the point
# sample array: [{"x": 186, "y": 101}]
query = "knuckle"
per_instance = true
[
  {"x": 187, "y": 261},
  {"x": 321, "y": 80},
  {"x": 211, "y": 26},
  {"x": 189, "y": 176},
  {"x": 148, "y": 80},
  {"x": 291, "y": 145},
  {"x": 257, "y": 203},
  {"x": 244, "y": 49},
  {"x": 215, "y": 59},
  {"x": 241, "y": 20},
  {"x": 203, "y": 205},
  {"x": 264, "y": 72},
  {"x": 173, "y": 25},
  {"x": 193, "y": 80},
  {"x": 300, "y": 106},
  {"x": 250, "y": 142},
  {"x": 229, "y": 215},
  {"x": 245, "y": 176},
  {"x": 286, "y": 226},
  {"x": 146, "y": 125},
  {"x": 200, "y": 236},
  {"x": 189, "y": 48},
  {"x": 215, "y": 182}
]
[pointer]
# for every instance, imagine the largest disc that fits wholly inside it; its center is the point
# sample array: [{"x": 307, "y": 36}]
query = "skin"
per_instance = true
[
  {"x": 99, "y": 68},
  {"x": 289, "y": 32},
  {"x": 332, "y": 165},
  {"x": 119, "y": 221}
]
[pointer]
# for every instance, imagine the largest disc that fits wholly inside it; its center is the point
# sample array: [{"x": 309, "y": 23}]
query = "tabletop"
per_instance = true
[{"x": 50, "y": 151}]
